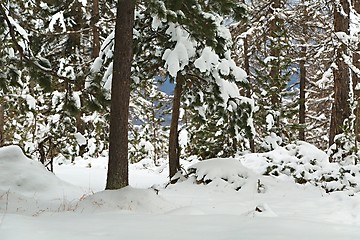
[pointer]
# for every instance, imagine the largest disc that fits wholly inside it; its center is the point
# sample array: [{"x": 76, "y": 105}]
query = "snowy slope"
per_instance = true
[
  {"x": 26, "y": 187},
  {"x": 221, "y": 199}
]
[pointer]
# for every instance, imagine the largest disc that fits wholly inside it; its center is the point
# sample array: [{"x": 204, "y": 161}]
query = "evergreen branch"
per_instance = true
[
  {"x": 29, "y": 59},
  {"x": 62, "y": 33},
  {"x": 330, "y": 28},
  {"x": 256, "y": 16},
  {"x": 104, "y": 47},
  {"x": 191, "y": 76}
]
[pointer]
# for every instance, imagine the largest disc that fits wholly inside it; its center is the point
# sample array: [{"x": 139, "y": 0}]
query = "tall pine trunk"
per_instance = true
[
  {"x": 247, "y": 70},
  {"x": 275, "y": 71},
  {"x": 95, "y": 30},
  {"x": 340, "y": 109},
  {"x": 118, "y": 175},
  {"x": 356, "y": 81},
  {"x": 302, "y": 107},
  {"x": 174, "y": 155}
]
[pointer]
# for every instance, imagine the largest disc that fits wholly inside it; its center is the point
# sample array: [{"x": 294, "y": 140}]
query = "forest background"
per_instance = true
[{"x": 248, "y": 76}]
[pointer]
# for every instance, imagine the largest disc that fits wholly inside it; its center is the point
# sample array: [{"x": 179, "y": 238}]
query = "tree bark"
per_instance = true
[
  {"x": 74, "y": 37},
  {"x": 95, "y": 30},
  {"x": 302, "y": 107},
  {"x": 340, "y": 109},
  {"x": 303, "y": 71},
  {"x": 2, "y": 123},
  {"x": 117, "y": 176},
  {"x": 246, "y": 64},
  {"x": 275, "y": 72},
  {"x": 275, "y": 52},
  {"x": 247, "y": 70},
  {"x": 174, "y": 161},
  {"x": 356, "y": 81}
]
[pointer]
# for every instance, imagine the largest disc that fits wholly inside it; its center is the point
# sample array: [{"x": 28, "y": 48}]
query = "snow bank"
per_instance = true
[
  {"x": 26, "y": 185},
  {"x": 126, "y": 199}
]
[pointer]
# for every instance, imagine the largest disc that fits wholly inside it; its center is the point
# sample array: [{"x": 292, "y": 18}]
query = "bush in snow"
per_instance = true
[
  {"x": 301, "y": 161},
  {"x": 305, "y": 164},
  {"x": 224, "y": 172}
]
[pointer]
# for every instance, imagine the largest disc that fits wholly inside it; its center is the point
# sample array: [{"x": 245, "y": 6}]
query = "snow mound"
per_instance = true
[
  {"x": 25, "y": 176},
  {"x": 262, "y": 210},
  {"x": 25, "y": 185},
  {"x": 127, "y": 199},
  {"x": 222, "y": 172}
]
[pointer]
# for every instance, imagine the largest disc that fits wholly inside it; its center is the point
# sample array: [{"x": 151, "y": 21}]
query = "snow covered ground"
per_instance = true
[{"x": 238, "y": 203}]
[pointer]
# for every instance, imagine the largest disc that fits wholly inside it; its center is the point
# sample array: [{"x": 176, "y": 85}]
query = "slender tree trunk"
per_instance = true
[
  {"x": 80, "y": 126},
  {"x": 340, "y": 108},
  {"x": 275, "y": 64},
  {"x": 302, "y": 107},
  {"x": 117, "y": 176},
  {"x": 2, "y": 123},
  {"x": 356, "y": 81},
  {"x": 174, "y": 161},
  {"x": 246, "y": 65},
  {"x": 302, "y": 102},
  {"x": 247, "y": 70},
  {"x": 74, "y": 37},
  {"x": 95, "y": 30}
]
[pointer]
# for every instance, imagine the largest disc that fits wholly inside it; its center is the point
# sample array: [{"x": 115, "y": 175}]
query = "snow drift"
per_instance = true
[{"x": 23, "y": 180}]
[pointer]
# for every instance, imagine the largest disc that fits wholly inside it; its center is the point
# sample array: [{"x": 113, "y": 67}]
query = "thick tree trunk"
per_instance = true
[
  {"x": 174, "y": 161},
  {"x": 356, "y": 81},
  {"x": 302, "y": 107},
  {"x": 117, "y": 176},
  {"x": 340, "y": 108},
  {"x": 95, "y": 30},
  {"x": 2, "y": 123}
]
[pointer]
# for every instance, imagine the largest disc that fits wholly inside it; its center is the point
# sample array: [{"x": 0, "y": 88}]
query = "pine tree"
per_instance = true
[
  {"x": 171, "y": 37},
  {"x": 312, "y": 50},
  {"x": 120, "y": 95},
  {"x": 356, "y": 79},
  {"x": 148, "y": 130},
  {"x": 207, "y": 49},
  {"x": 341, "y": 108},
  {"x": 342, "y": 139},
  {"x": 269, "y": 64},
  {"x": 53, "y": 68}
]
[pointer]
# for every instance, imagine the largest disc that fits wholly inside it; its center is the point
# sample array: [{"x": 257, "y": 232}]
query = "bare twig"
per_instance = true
[{"x": 6, "y": 206}]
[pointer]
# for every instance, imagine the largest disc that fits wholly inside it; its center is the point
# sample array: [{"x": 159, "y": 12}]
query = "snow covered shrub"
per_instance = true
[
  {"x": 302, "y": 162},
  {"x": 146, "y": 142},
  {"x": 224, "y": 172},
  {"x": 345, "y": 150},
  {"x": 305, "y": 164}
]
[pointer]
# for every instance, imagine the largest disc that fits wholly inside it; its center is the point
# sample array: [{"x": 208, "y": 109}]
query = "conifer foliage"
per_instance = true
[
  {"x": 75, "y": 84},
  {"x": 264, "y": 44},
  {"x": 197, "y": 58},
  {"x": 46, "y": 50},
  {"x": 199, "y": 61}
]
